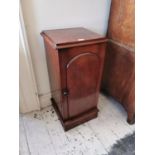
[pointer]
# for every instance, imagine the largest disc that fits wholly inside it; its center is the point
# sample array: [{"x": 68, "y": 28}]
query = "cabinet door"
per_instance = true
[{"x": 82, "y": 80}]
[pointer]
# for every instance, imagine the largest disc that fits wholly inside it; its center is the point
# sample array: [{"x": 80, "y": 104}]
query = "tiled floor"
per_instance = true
[{"x": 42, "y": 134}]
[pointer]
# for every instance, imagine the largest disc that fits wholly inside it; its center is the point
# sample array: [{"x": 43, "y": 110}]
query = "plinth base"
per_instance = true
[{"x": 72, "y": 122}]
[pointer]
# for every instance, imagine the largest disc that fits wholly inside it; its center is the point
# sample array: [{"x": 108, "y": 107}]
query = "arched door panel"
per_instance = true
[{"x": 82, "y": 79}]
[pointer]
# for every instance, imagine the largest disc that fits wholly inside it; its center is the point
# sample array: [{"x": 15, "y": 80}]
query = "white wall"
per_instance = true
[
  {"x": 50, "y": 14},
  {"x": 28, "y": 97}
]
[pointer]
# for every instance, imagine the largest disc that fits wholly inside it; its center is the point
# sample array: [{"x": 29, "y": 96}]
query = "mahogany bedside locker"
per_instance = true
[{"x": 75, "y": 58}]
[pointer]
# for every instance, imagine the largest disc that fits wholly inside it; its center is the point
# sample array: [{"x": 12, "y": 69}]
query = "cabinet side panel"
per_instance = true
[{"x": 54, "y": 72}]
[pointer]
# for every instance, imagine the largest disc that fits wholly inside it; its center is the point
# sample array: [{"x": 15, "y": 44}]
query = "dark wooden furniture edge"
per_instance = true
[
  {"x": 74, "y": 44},
  {"x": 131, "y": 119},
  {"x": 130, "y": 116},
  {"x": 130, "y": 113},
  {"x": 70, "y": 123}
]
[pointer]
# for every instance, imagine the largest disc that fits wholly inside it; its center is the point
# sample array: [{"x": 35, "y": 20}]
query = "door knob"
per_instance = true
[{"x": 65, "y": 92}]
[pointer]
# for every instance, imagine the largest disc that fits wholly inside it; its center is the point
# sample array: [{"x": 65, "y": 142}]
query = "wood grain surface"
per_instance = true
[
  {"x": 75, "y": 58},
  {"x": 122, "y": 22}
]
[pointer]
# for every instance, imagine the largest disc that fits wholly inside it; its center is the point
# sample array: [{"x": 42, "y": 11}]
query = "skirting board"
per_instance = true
[{"x": 45, "y": 100}]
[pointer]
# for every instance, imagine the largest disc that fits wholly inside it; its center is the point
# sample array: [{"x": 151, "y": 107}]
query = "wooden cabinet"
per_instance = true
[{"x": 75, "y": 59}]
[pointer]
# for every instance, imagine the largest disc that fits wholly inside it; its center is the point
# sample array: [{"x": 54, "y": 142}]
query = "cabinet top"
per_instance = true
[{"x": 69, "y": 37}]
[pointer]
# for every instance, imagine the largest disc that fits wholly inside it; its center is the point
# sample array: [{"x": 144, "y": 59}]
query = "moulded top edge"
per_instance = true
[{"x": 63, "y": 38}]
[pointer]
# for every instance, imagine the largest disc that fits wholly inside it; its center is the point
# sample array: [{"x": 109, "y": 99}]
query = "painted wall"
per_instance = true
[
  {"x": 53, "y": 14},
  {"x": 28, "y": 98}
]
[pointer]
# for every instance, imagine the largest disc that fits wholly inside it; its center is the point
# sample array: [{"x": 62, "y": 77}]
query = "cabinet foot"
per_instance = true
[
  {"x": 131, "y": 118},
  {"x": 72, "y": 122}
]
